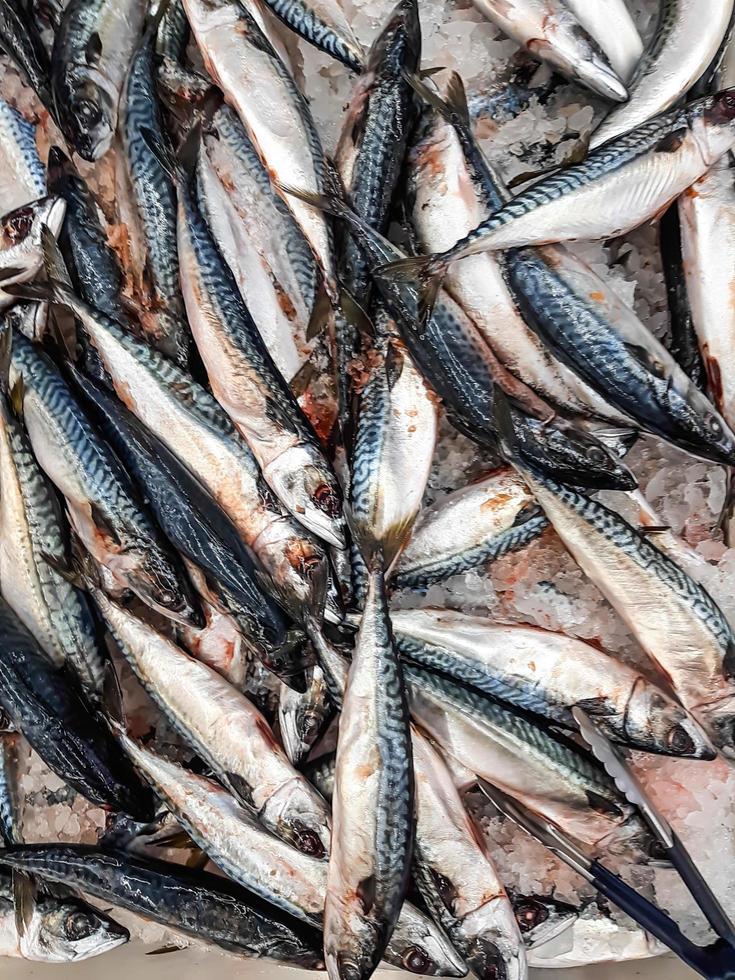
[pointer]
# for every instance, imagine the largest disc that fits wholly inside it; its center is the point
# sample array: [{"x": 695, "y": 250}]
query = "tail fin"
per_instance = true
[
  {"x": 425, "y": 272},
  {"x": 453, "y": 107}
]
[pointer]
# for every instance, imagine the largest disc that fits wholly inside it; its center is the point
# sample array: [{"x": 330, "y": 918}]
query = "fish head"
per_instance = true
[
  {"x": 569, "y": 47},
  {"x": 491, "y": 941},
  {"x": 87, "y": 115},
  {"x": 713, "y": 124},
  {"x": 420, "y": 947},
  {"x": 302, "y": 817},
  {"x": 578, "y": 458},
  {"x": 163, "y": 586},
  {"x": 309, "y": 489},
  {"x": 718, "y": 719},
  {"x": 21, "y": 251},
  {"x": 542, "y": 918},
  {"x": 70, "y": 930},
  {"x": 701, "y": 428},
  {"x": 657, "y": 722},
  {"x": 399, "y": 42}
]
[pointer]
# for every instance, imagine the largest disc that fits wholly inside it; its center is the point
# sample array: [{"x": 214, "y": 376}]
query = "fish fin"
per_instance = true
[
  {"x": 644, "y": 357},
  {"x": 434, "y": 70},
  {"x": 10, "y": 272},
  {"x": 93, "y": 49},
  {"x": 370, "y": 547},
  {"x": 58, "y": 164},
  {"x": 671, "y": 142},
  {"x": 37, "y": 292},
  {"x": 602, "y": 805},
  {"x": 395, "y": 360},
  {"x": 355, "y": 313},
  {"x": 162, "y": 152},
  {"x": 112, "y": 698},
  {"x": 179, "y": 840},
  {"x": 728, "y": 662},
  {"x": 597, "y": 707},
  {"x": 320, "y": 314},
  {"x": 6, "y": 343},
  {"x": 163, "y": 950},
  {"x": 365, "y": 891},
  {"x": 24, "y": 901},
  {"x": 329, "y": 202},
  {"x": 300, "y": 381},
  {"x": 453, "y": 107},
  {"x": 57, "y": 272},
  {"x": 17, "y": 396},
  {"x": 426, "y": 272}
]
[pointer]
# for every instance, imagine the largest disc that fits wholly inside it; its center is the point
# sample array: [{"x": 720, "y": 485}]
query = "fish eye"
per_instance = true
[
  {"x": 17, "y": 225},
  {"x": 417, "y": 960},
  {"x": 530, "y": 914},
  {"x": 77, "y": 926},
  {"x": 714, "y": 425},
  {"x": 326, "y": 500},
  {"x": 679, "y": 741},
  {"x": 87, "y": 110},
  {"x": 596, "y": 454}
]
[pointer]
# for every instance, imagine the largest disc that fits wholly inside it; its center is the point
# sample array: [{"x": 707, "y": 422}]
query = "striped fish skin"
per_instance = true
[
  {"x": 91, "y": 55},
  {"x": 467, "y": 528},
  {"x": 682, "y": 48},
  {"x": 202, "y": 905},
  {"x": 247, "y": 384},
  {"x": 549, "y": 775},
  {"x": 303, "y": 717},
  {"x": 225, "y": 729},
  {"x": 54, "y": 719},
  {"x": 548, "y": 674},
  {"x": 102, "y": 505},
  {"x": 451, "y": 190},
  {"x": 456, "y": 875},
  {"x": 259, "y": 239},
  {"x": 21, "y": 42},
  {"x": 618, "y": 187},
  {"x": 173, "y": 32},
  {"x": 164, "y": 319},
  {"x": 605, "y": 342},
  {"x": 551, "y": 32},
  {"x": 21, "y": 255},
  {"x": 373, "y": 801},
  {"x": 611, "y": 25},
  {"x": 241, "y": 60},
  {"x": 24, "y": 176},
  {"x": 185, "y": 417},
  {"x": 674, "y": 619},
  {"x": 31, "y": 531},
  {"x": 324, "y": 24}
]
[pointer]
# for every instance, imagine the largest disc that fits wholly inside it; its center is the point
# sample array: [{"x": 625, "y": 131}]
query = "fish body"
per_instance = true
[
  {"x": 324, "y": 24},
  {"x": 91, "y": 55},
  {"x": 21, "y": 254},
  {"x": 550, "y": 31},
  {"x": 683, "y": 344},
  {"x": 302, "y": 717},
  {"x": 172, "y": 35},
  {"x": 101, "y": 502},
  {"x": 58, "y": 724},
  {"x": 225, "y": 729},
  {"x": 681, "y": 49},
  {"x": 248, "y": 385},
  {"x": 373, "y": 800},
  {"x": 610, "y": 23},
  {"x": 164, "y": 322},
  {"x": 674, "y": 619},
  {"x": 547, "y": 674},
  {"x": 22, "y": 43},
  {"x": 202, "y": 905},
  {"x": 241, "y": 60},
  {"x": 25, "y": 175},
  {"x": 31, "y": 532},
  {"x": 456, "y": 875},
  {"x": 466, "y": 528}
]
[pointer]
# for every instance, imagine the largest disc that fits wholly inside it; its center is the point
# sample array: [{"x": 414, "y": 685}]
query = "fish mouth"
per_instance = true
[{"x": 601, "y": 78}]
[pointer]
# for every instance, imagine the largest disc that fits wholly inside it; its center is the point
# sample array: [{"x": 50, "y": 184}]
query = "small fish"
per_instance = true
[
  {"x": 102, "y": 504},
  {"x": 302, "y": 718},
  {"x": 21, "y": 41},
  {"x": 617, "y": 188},
  {"x": 21, "y": 252},
  {"x": 373, "y": 798},
  {"x": 674, "y": 619},
  {"x": 456, "y": 875},
  {"x": 611, "y": 25},
  {"x": 43, "y": 705},
  {"x": 551, "y": 32},
  {"x": 241, "y": 59},
  {"x": 548, "y": 674},
  {"x": 225, "y": 729},
  {"x": 324, "y": 24},
  {"x": 681, "y": 49},
  {"x": 467, "y": 528},
  {"x": 24, "y": 174},
  {"x": 89, "y": 62},
  {"x": 164, "y": 318},
  {"x": 202, "y": 905}
]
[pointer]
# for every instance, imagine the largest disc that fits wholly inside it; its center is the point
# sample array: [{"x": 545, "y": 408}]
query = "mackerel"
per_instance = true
[
  {"x": 24, "y": 176},
  {"x": 324, "y": 24},
  {"x": 21, "y": 233},
  {"x": 302, "y": 717},
  {"x": 611, "y": 25},
  {"x": 22, "y": 43}
]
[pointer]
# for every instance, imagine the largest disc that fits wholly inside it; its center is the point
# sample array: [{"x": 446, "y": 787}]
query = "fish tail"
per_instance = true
[
  {"x": 453, "y": 106},
  {"x": 425, "y": 272},
  {"x": 329, "y": 200}
]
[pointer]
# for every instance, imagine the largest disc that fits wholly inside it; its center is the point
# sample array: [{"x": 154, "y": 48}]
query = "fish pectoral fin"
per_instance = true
[
  {"x": 93, "y": 50},
  {"x": 366, "y": 893},
  {"x": 645, "y": 358},
  {"x": 394, "y": 363},
  {"x": 24, "y": 901},
  {"x": 671, "y": 142},
  {"x": 597, "y": 707},
  {"x": 602, "y": 805}
]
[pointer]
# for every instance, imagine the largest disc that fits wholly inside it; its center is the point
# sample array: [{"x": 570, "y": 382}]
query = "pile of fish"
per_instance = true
[{"x": 220, "y": 400}]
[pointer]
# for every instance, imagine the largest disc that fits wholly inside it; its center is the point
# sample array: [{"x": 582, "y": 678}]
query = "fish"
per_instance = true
[
  {"x": 673, "y": 618},
  {"x": 611, "y": 25},
  {"x": 185, "y": 416},
  {"x": 550, "y": 30},
  {"x": 92, "y": 50},
  {"x": 259, "y": 239},
  {"x": 548, "y": 674},
  {"x": 546, "y": 772},
  {"x": 324, "y": 24},
  {"x": 373, "y": 800},
  {"x": 24, "y": 173},
  {"x": 59, "y": 725},
  {"x": 32, "y": 538},
  {"x": 164, "y": 318},
  {"x": 21, "y": 254},
  {"x": 224, "y": 728},
  {"x": 192, "y": 521},
  {"x": 241, "y": 59},
  {"x": 456, "y": 876},
  {"x": 102, "y": 505},
  {"x": 302, "y": 718},
  {"x": 22, "y": 43},
  {"x": 681, "y": 49},
  {"x": 617, "y": 188},
  {"x": 476, "y": 524},
  {"x": 172, "y": 35},
  {"x": 682, "y": 345},
  {"x": 205, "y": 906},
  {"x": 246, "y": 382}
]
